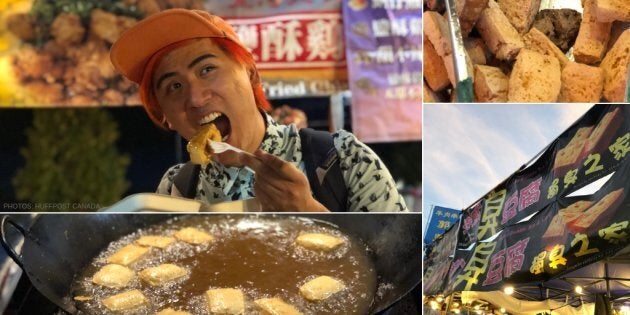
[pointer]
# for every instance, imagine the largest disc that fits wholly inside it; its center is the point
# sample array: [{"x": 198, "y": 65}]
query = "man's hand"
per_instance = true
[{"x": 280, "y": 186}]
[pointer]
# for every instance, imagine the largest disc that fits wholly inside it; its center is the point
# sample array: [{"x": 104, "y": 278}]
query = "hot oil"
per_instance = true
[{"x": 254, "y": 254}]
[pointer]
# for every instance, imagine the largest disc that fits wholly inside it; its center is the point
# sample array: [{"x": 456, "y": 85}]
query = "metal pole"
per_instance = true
[
  {"x": 606, "y": 277},
  {"x": 464, "y": 87}
]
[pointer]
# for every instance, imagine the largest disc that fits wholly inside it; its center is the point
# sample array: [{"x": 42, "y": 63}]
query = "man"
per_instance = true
[{"x": 193, "y": 70}]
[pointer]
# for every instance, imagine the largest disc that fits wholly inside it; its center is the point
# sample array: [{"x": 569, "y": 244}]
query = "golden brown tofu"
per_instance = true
[
  {"x": 162, "y": 274},
  {"x": 321, "y": 288},
  {"x": 127, "y": 255},
  {"x": 193, "y": 236},
  {"x": 198, "y": 148},
  {"x": 170, "y": 311},
  {"x": 125, "y": 301},
  {"x": 318, "y": 241},
  {"x": 113, "y": 276},
  {"x": 155, "y": 241},
  {"x": 225, "y": 301},
  {"x": 276, "y": 306}
]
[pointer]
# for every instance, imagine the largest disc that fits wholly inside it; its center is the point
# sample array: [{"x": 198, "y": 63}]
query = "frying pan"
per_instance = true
[{"x": 57, "y": 247}]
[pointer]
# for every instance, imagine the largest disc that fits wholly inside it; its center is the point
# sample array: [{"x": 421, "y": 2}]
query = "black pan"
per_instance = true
[{"x": 58, "y": 246}]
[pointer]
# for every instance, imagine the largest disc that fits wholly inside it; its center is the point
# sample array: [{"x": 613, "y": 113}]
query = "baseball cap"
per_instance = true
[{"x": 135, "y": 47}]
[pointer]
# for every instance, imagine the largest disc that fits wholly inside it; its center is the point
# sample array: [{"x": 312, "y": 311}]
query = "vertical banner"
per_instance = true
[
  {"x": 384, "y": 54},
  {"x": 438, "y": 261},
  {"x": 440, "y": 220}
]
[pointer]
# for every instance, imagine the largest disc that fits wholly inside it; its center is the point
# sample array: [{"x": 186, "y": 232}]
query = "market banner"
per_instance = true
[
  {"x": 596, "y": 145},
  {"x": 440, "y": 220},
  {"x": 384, "y": 54},
  {"x": 299, "y": 46},
  {"x": 56, "y": 53},
  {"x": 438, "y": 260},
  {"x": 565, "y": 236}
]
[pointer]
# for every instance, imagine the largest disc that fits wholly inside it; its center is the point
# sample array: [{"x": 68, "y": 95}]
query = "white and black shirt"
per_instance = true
[{"x": 369, "y": 183}]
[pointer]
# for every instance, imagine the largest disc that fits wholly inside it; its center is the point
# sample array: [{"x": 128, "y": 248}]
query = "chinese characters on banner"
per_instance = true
[
  {"x": 565, "y": 233},
  {"x": 298, "y": 45},
  {"x": 440, "y": 220},
  {"x": 591, "y": 149},
  {"x": 437, "y": 261},
  {"x": 384, "y": 52}
]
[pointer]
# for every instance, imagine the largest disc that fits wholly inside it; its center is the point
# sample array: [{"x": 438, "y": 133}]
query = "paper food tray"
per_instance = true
[{"x": 149, "y": 202}]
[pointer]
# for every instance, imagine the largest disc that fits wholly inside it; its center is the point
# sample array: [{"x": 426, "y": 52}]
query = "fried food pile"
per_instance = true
[
  {"x": 198, "y": 148},
  {"x": 64, "y": 58},
  {"x": 516, "y": 52}
]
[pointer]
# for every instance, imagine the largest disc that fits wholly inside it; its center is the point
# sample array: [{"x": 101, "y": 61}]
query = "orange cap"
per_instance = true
[{"x": 132, "y": 51}]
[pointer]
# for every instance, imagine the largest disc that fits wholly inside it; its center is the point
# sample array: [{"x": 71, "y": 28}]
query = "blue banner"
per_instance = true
[{"x": 440, "y": 219}]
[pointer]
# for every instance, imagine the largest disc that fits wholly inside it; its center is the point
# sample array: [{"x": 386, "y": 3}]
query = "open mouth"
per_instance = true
[{"x": 221, "y": 121}]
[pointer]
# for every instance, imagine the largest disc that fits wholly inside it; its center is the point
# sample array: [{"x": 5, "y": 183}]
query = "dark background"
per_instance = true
[{"x": 153, "y": 150}]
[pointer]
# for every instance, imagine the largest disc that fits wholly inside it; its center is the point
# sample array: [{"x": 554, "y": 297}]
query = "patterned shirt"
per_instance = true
[{"x": 369, "y": 183}]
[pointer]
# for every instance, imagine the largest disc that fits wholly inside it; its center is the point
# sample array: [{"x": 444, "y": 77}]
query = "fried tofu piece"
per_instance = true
[
  {"x": 113, "y": 276},
  {"x": 435, "y": 72},
  {"x": 127, "y": 255},
  {"x": 162, "y": 274},
  {"x": 155, "y": 241},
  {"x": 125, "y": 301},
  {"x": 476, "y": 50},
  {"x": 592, "y": 40},
  {"x": 67, "y": 29},
  {"x": 226, "y": 301},
  {"x": 276, "y": 306},
  {"x": 198, "y": 148},
  {"x": 468, "y": 12},
  {"x": 319, "y": 241},
  {"x": 491, "y": 84},
  {"x": 538, "y": 41},
  {"x": 436, "y": 31},
  {"x": 170, "y": 311},
  {"x": 535, "y": 78},
  {"x": 581, "y": 83},
  {"x": 615, "y": 66},
  {"x": 321, "y": 288},
  {"x": 193, "y": 236},
  {"x": 500, "y": 36},
  {"x": 612, "y": 10},
  {"x": 521, "y": 13}
]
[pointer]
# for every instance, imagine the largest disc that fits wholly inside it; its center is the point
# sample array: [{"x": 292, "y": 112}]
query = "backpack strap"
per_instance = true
[
  {"x": 321, "y": 162},
  {"x": 186, "y": 179}
]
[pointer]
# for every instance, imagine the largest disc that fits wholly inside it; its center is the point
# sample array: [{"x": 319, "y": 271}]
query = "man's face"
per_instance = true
[{"x": 198, "y": 83}]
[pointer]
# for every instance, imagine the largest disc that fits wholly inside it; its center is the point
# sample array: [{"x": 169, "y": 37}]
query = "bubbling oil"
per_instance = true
[{"x": 254, "y": 254}]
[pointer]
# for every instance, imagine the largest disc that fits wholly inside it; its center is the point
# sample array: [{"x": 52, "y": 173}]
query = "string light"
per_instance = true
[
  {"x": 439, "y": 299},
  {"x": 579, "y": 289},
  {"x": 503, "y": 310},
  {"x": 508, "y": 290},
  {"x": 434, "y": 305}
]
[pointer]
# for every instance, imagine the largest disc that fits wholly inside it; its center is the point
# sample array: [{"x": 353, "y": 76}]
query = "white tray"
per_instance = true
[{"x": 148, "y": 202}]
